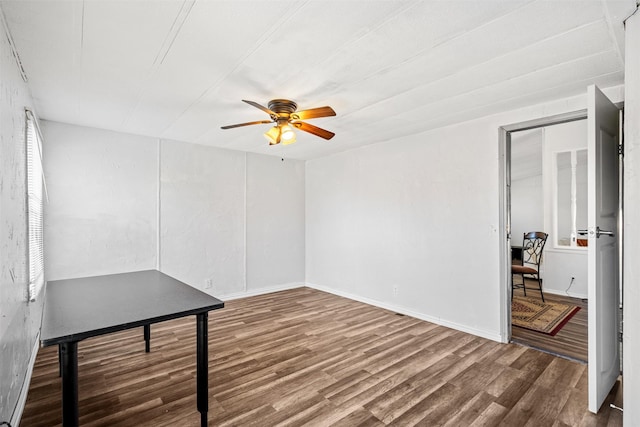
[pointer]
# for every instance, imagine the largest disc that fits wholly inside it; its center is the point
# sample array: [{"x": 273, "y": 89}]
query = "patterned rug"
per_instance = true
[{"x": 545, "y": 317}]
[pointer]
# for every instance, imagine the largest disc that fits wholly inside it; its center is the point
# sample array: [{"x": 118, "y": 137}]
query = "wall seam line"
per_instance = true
[
  {"x": 246, "y": 183},
  {"x": 158, "y": 205}
]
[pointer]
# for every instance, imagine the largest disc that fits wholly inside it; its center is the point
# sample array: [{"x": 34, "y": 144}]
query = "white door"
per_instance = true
[{"x": 603, "y": 270}]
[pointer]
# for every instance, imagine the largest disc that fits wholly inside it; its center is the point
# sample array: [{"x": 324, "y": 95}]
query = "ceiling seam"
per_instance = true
[
  {"x": 476, "y": 65},
  {"x": 81, "y": 57},
  {"x": 174, "y": 31},
  {"x": 442, "y": 42},
  {"x": 407, "y": 130},
  {"x": 163, "y": 51},
  {"x": 612, "y": 34},
  {"x": 466, "y": 94},
  {"x": 82, "y": 28},
  {"x": 413, "y": 58},
  {"x": 362, "y": 35},
  {"x": 12, "y": 44},
  {"x": 241, "y": 61},
  {"x": 581, "y": 83}
]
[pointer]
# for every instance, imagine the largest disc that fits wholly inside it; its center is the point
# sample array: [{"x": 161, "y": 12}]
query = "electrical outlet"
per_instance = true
[{"x": 208, "y": 284}]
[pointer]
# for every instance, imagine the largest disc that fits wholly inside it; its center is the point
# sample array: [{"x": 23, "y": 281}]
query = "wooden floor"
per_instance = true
[
  {"x": 303, "y": 358},
  {"x": 571, "y": 341}
]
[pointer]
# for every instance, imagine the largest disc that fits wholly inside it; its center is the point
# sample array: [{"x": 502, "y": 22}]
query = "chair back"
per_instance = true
[{"x": 532, "y": 246}]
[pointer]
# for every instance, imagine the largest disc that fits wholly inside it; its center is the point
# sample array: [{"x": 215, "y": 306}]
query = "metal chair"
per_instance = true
[{"x": 532, "y": 246}]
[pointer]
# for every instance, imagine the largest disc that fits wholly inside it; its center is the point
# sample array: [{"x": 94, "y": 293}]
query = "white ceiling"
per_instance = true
[{"x": 390, "y": 68}]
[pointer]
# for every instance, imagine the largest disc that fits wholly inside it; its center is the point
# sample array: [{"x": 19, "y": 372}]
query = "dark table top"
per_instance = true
[{"x": 75, "y": 309}]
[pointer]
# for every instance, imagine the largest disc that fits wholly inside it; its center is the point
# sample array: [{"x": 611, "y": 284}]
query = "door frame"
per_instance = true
[{"x": 504, "y": 150}]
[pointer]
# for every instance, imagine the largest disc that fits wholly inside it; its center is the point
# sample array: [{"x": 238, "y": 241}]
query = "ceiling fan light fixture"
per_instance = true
[
  {"x": 284, "y": 114},
  {"x": 287, "y": 135},
  {"x": 273, "y": 135}
]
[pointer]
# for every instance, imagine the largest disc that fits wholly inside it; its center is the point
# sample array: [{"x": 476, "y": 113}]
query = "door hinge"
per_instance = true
[{"x": 621, "y": 150}]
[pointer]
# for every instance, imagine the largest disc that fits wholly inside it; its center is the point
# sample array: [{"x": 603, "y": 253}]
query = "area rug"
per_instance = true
[{"x": 545, "y": 317}]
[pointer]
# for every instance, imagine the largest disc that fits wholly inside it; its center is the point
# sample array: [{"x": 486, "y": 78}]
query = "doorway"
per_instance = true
[
  {"x": 604, "y": 235},
  {"x": 548, "y": 193}
]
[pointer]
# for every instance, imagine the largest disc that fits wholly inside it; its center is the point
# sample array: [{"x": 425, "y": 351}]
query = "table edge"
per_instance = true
[{"x": 45, "y": 342}]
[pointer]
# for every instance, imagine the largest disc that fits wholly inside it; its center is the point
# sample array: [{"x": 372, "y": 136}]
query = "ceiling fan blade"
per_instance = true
[
  {"x": 313, "y": 113},
  {"x": 246, "y": 124},
  {"x": 265, "y": 109},
  {"x": 322, "y": 133}
]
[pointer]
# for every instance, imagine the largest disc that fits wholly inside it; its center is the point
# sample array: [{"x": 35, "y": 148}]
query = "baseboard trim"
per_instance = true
[
  {"x": 493, "y": 336},
  {"x": 260, "y": 291},
  {"x": 22, "y": 398},
  {"x": 563, "y": 293}
]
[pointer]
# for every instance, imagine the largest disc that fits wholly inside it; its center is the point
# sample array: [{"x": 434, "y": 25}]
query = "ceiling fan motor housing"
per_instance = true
[{"x": 283, "y": 107}]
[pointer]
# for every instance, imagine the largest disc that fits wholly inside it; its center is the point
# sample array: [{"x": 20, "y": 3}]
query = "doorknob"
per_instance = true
[
  {"x": 597, "y": 232},
  {"x": 603, "y": 233}
]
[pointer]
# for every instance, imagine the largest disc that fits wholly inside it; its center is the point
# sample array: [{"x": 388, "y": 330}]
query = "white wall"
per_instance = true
[
  {"x": 102, "y": 187},
  {"x": 526, "y": 207},
  {"x": 122, "y": 202},
  {"x": 560, "y": 263},
  {"x": 19, "y": 319},
  {"x": 420, "y": 214},
  {"x": 631, "y": 270},
  {"x": 559, "y": 269},
  {"x": 275, "y": 221},
  {"x": 202, "y": 215},
  {"x": 527, "y": 196}
]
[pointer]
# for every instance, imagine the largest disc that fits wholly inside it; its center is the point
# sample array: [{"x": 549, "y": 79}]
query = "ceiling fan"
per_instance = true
[{"x": 283, "y": 113}]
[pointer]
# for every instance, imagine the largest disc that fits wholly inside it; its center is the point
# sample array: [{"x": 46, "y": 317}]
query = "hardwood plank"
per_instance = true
[
  {"x": 359, "y": 417},
  {"x": 491, "y": 416},
  {"x": 570, "y": 342},
  {"x": 471, "y": 410},
  {"x": 437, "y": 400},
  {"x": 304, "y": 357}
]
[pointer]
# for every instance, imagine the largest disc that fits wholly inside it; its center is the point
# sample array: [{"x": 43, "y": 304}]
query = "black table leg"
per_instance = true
[
  {"x": 147, "y": 338},
  {"x": 69, "y": 362},
  {"x": 202, "y": 366},
  {"x": 59, "y": 360}
]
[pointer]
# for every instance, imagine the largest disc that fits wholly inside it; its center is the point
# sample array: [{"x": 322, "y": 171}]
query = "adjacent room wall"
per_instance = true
[
  {"x": 19, "y": 319},
  {"x": 562, "y": 264},
  {"x": 527, "y": 196},
  {"x": 532, "y": 202},
  {"x": 526, "y": 207},
  {"x": 227, "y": 222},
  {"x": 412, "y": 224}
]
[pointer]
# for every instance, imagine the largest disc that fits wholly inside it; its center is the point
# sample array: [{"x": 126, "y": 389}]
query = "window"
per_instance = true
[
  {"x": 571, "y": 197},
  {"x": 35, "y": 207}
]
